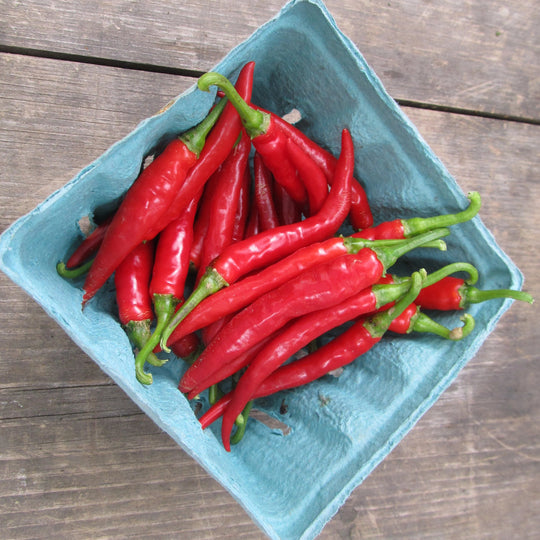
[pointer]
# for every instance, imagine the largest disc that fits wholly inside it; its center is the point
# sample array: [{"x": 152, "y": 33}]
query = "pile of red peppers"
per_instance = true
[{"x": 226, "y": 251}]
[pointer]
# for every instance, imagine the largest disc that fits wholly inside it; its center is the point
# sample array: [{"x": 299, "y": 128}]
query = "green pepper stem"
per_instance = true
[
  {"x": 139, "y": 333},
  {"x": 195, "y": 137},
  {"x": 241, "y": 423},
  {"x": 164, "y": 305},
  {"x": 452, "y": 269},
  {"x": 214, "y": 394},
  {"x": 419, "y": 225},
  {"x": 388, "y": 255},
  {"x": 255, "y": 122},
  {"x": 472, "y": 295},
  {"x": 210, "y": 283},
  {"x": 378, "y": 324},
  {"x": 423, "y": 323},
  {"x": 72, "y": 273},
  {"x": 389, "y": 292}
]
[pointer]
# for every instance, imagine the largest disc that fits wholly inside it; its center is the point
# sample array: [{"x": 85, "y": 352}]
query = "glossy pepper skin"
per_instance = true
[
  {"x": 454, "y": 293},
  {"x": 217, "y": 147},
  {"x": 311, "y": 175},
  {"x": 368, "y": 332},
  {"x": 202, "y": 219},
  {"x": 267, "y": 247},
  {"x": 131, "y": 281},
  {"x": 224, "y": 202},
  {"x": 413, "y": 320},
  {"x": 360, "y": 215},
  {"x": 231, "y": 299},
  {"x": 144, "y": 205},
  {"x": 267, "y": 135},
  {"x": 405, "y": 228},
  {"x": 321, "y": 286},
  {"x": 166, "y": 289}
]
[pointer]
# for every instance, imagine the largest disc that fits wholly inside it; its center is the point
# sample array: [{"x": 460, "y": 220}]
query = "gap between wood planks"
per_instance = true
[{"x": 169, "y": 70}]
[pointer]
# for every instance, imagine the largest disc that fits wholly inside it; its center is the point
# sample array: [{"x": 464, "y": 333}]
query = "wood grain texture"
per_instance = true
[
  {"x": 79, "y": 460},
  {"x": 453, "y": 53}
]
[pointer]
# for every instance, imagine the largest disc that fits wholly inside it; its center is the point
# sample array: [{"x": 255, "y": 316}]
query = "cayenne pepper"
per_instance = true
[
  {"x": 263, "y": 194},
  {"x": 366, "y": 334},
  {"x": 323, "y": 285},
  {"x": 135, "y": 312},
  {"x": 405, "y": 228},
  {"x": 266, "y": 247},
  {"x": 170, "y": 270},
  {"x": 147, "y": 201},
  {"x": 360, "y": 215},
  {"x": 454, "y": 293}
]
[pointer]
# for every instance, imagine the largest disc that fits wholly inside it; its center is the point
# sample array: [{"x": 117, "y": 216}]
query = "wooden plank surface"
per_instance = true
[
  {"x": 77, "y": 457},
  {"x": 452, "y": 53}
]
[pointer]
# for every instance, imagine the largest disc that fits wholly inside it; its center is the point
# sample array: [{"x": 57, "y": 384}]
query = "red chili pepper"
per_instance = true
[
  {"x": 263, "y": 194},
  {"x": 311, "y": 175},
  {"x": 242, "y": 212},
  {"x": 287, "y": 210},
  {"x": 187, "y": 347},
  {"x": 219, "y": 144},
  {"x": 452, "y": 293},
  {"x": 413, "y": 320},
  {"x": 405, "y": 228},
  {"x": 131, "y": 281},
  {"x": 304, "y": 330},
  {"x": 253, "y": 226},
  {"x": 265, "y": 248},
  {"x": 147, "y": 201},
  {"x": 323, "y": 285},
  {"x": 241, "y": 293},
  {"x": 266, "y": 135},
  {"x": 166, "y": 289},
  {"x": 360, "y": 216},
  {"x": 202, "y": 219},
  {"x": 89, "y": 246},
  {"x": 225, "y": 202},
  {"x": 366, "y": 336}
]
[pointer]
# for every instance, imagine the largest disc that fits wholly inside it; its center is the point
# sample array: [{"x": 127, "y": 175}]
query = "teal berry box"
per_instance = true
[{"x": 340, "y": 427}]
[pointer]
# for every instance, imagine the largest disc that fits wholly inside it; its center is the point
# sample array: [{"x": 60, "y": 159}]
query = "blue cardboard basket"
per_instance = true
[{"x": 340, "y": 428}]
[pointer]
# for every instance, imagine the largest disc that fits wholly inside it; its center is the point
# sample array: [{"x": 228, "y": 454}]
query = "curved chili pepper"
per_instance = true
[
  {"x": 135, "y": 312},
  {"x": 219, "y": 144},
  {"x": 267, "y": 137},
  {"x": 413, "y": 320},
  {"x": 405, "y": 228},
  {"x": 360, "y": 215},
  {"x": 323, "y": 285},
  {"x": 171, "y": 266},
  {"x": 147, "y": 201},
  {"x": 225, "y": 202},
  {"x": 266, "y": 247},
  {"x": 311, "y": 175},
  {"x": 241, "y": 293},
  {"x": 371, "y": 332},
  {"x": 262, "y": 181},
  {"x": 304, "y": 330},
  {"x": 89, "y": 246},
  {"x": 454, "y": 293}
]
